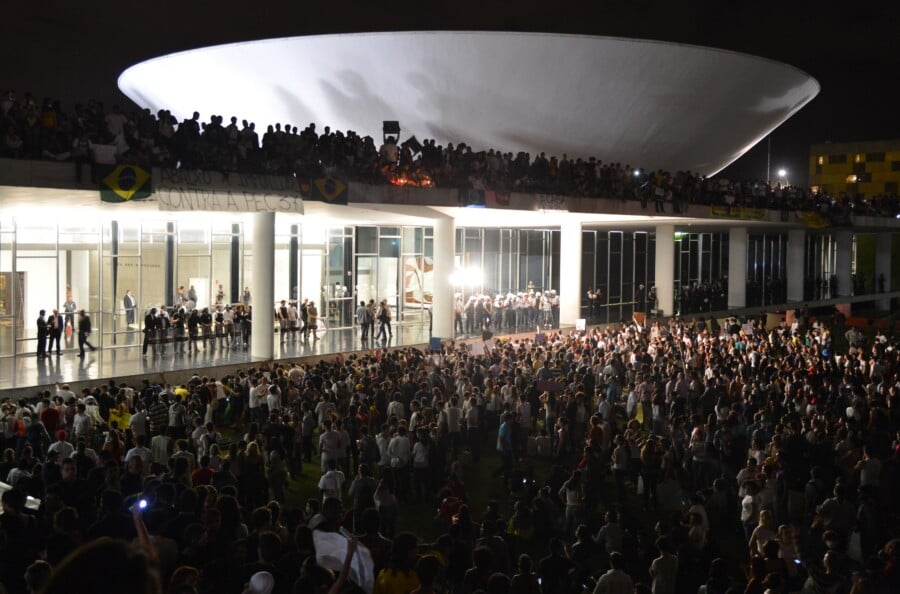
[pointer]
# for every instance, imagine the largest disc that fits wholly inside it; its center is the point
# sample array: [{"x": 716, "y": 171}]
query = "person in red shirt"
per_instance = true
[
  {"x": 204, "y": 474},
  {"x": 50, "y": 417}
]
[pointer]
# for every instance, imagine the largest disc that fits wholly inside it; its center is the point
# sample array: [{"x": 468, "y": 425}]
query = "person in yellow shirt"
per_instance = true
[
  {"x": 399, "y": 577},
  {"x": 120, "y": 416},
  {"x": 181, "y": 392}
]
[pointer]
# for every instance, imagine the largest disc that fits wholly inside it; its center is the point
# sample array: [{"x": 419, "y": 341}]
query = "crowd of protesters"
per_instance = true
[
  {"x": 683, "y": 456},
  {"x": 92, "y": 133}
]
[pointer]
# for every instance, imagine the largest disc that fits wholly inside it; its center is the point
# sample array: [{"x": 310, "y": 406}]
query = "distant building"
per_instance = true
[{"x": 870, "y": 168}]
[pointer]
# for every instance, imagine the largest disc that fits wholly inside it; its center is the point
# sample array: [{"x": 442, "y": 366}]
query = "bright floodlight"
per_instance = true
[
  {"x": 782, "y": 172},
  {"x": 470, "y": 276},
  {"x": 645, "y": 103}
]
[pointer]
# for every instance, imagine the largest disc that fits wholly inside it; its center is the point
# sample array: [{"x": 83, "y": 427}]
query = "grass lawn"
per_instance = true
[{"x": 482, "y": 487}]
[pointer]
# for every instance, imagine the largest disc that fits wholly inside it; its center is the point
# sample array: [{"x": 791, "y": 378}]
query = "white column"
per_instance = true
[
  {"x": 442, "y": 287},
  {"x": 796, "y": 271},
  {"x": 664, "y": 280},
  {"x": 883, "y": 248},
  {"x": 262, "y": 286},
  {"x": 844, "y": 263},
  {"x": 737, "y": 267},
  {"x": 569, "y": 273}
]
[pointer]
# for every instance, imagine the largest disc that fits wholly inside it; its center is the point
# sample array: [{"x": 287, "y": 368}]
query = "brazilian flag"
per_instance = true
[
  {"x": 123, "y": 183},
  {"x": 329, "y": 189}
]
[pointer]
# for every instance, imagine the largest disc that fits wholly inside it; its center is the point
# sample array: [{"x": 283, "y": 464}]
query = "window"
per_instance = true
[
  {"x": 837, "y": 159},
  {"x": 890, "y": 188},
  {"x": 874, "y": 157},
  {"x": 859, "y": 168},
  {"x": 895, "y": 165},
  {"x": 366, "y": 240},
  {"x": 820, "y": 160}
]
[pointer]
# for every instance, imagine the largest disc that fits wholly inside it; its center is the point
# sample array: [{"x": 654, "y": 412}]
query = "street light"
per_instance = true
[{"x": 782, "y": 176}]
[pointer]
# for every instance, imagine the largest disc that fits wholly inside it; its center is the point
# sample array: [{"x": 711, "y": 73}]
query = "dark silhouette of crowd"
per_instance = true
[
  {"x": 91, "y": 133},
  {"x": 677, "y": 457}
]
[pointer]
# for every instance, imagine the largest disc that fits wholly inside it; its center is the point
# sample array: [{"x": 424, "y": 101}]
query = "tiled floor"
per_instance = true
[{"x": 23, "y": 375}]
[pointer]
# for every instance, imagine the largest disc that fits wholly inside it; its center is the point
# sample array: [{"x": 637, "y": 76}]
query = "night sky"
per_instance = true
[{"x": 74, "y": 51}]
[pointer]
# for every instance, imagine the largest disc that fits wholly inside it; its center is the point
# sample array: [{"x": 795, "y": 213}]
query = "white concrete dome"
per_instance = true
[{"x": 645, "y": 103}]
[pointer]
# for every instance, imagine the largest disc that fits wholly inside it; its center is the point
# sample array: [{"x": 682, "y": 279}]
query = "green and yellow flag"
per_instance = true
[
  {"x": 123, "y": 183},
  {"x": 329, "y": 189}
]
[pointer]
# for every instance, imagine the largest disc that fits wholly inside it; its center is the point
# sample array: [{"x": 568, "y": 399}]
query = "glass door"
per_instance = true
[{"x": 35, "y": 283}]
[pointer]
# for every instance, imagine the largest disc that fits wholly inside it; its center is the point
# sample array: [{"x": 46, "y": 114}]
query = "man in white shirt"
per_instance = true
[
  {"x": 82, "y": 423},
  {"x": 258, "y": 390},
  {"x": 329, "y": 444},
  {"x": 615, "y": 581},
  {"x": 324, "y": 410},
  {"x": 451, "y": 416},
  {"x": 62, "y": 446},
  {"x": 273, "y": 399},
  {"x": 161, "y": 448},
  {"x": 472, "y": 415},
  {"x": 209, "y": 437},
  {"x": 416, "y": 417},
  {"x": 331, "y": 484},
  {"x": 138, "y": 423},
  {"x": 383, "y": 441},
  {"x": 664, "y": 569},
  {"x": 395, "y": 407},
  {"x": 399, "y": 451},
  {"x": 140, "y": 451}
]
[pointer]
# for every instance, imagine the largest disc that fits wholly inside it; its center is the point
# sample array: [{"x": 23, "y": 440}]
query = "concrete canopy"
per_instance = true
[{"x": 644, "y": 103}]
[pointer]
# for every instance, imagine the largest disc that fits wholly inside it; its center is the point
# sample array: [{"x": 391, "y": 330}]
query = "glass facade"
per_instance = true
[
  {"x": 766, "y": 268},
  {"x": 613, "y": 264},
  {"x": 701, "y": 271},
  {"x": 90, "y": 263},
  {"x": 821, "y": 266}
]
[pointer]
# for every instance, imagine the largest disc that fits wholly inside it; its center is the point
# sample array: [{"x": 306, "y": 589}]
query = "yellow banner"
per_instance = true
[
  {"x": 813, "y": 220},
  {"x": 738, "y": 212}
]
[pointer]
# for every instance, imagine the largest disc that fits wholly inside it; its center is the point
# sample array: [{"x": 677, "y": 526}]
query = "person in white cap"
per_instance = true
[{"x": 261, "y": 582}]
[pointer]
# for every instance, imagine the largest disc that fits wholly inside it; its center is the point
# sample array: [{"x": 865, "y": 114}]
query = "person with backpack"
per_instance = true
[
  {"x": 384, "y": 318},
  {"x": 208, "y": 439}
]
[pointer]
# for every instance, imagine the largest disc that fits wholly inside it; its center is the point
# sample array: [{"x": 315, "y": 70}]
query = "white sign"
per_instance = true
[
  {"x": 580, "y": 325},
  {"x": 331, "y": 550},
  {"x": 189, "y": 199},
  {"x": 551, "y": 202},
  {"x": 183, "y": 190}
]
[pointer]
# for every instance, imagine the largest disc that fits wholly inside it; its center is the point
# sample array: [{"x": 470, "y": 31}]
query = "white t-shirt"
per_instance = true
[
  {"x": 82, "y": 424},
  {"x": 452, "y": 415},
  {"x": 139, "y": 452},
  {"x": 420, "y": 454},
  {"x": 749, "y": 509},
  {"x": 399, "y": 448},
  {"x": 273, "y": 401},
  {"x": 332, "y": 484}
]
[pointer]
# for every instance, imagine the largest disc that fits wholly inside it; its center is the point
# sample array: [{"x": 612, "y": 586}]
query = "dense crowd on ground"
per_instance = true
[
  {"x": 683, "y": 456},
  {"x": 91, "y": 133}
]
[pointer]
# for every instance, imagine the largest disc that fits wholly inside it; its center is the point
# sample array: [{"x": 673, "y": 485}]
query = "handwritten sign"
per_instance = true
[{"x": 184, "y": 190}]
